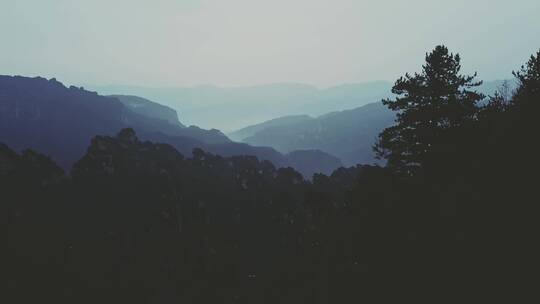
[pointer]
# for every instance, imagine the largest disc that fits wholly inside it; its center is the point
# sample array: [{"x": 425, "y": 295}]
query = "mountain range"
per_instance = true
[
  {"x": 59, "y": 121},
  {"x": 348, "y": 134},
  {"x": 232, "y": 108}
]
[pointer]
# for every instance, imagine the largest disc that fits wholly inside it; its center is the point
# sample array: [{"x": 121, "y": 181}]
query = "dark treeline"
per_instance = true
[{"x": 452, "y": 217}]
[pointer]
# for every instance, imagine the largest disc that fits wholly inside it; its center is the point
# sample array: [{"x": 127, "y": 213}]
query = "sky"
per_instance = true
[{"x": 248, "y": 42}]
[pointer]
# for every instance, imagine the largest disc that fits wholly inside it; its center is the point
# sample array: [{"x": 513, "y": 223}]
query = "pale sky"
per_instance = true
[{"x": 247, "y": 42}]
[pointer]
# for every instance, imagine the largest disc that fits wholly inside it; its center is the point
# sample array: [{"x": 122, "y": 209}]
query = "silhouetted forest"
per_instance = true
[{"x": 452, "y": 217}]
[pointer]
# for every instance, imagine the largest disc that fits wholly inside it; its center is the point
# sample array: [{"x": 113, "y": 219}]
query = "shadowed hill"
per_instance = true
[
  {"x": 149, "y": 108},
  {"x": 348, "y": 135},
  {"x": 231, "y": 108},
  {"x": 45, "y": 115},
  {"x": 249, "y": 131}
]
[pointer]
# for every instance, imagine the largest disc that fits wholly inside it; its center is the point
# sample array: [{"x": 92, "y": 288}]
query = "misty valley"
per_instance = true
[
  {"x": 114, "y": 199},
  {"x": 279, "y": 152}
]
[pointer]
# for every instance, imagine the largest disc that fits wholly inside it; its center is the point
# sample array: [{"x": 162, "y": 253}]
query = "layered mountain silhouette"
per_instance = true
[
  {"x": 284, "y": 121},
  {"x": 349, "y": 134},
  {"x": 231, "y": 108},
  {"x": 47, "y": 116}
]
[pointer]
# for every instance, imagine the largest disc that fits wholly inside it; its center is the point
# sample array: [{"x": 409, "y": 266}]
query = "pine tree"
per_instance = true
[
  {"x": 427, "y": 104},
  {"x": 528, "y": 78}
]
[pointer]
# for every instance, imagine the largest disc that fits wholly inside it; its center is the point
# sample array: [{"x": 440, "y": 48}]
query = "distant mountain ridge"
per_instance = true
[
  {"x": 249, "y": 131},
  {"x": 46, "y": 116},
  {"x": 231, "y": 108},
  {"x": 349, "y": 135}
]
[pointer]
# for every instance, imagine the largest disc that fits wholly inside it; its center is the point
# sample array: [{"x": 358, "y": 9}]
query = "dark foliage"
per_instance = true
[
  {"x": 137, "y": 222},
  {"x": 428, "y": 103}
]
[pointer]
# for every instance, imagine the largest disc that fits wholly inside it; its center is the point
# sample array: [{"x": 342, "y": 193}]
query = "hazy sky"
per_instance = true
[{"x": 245, "y": 42}]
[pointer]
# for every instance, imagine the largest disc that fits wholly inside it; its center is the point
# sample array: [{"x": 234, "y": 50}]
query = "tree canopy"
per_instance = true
[{"x": 427, "y": 104}]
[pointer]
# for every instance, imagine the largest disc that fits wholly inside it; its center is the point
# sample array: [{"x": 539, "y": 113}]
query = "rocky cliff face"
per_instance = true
[{"x": 149, "y": 108}]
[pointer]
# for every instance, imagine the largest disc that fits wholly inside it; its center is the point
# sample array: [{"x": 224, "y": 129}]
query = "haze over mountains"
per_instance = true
[
  {"x": 231, "y": 108},
  {"x": 233, "y": 218},
  {"x": 318, "y": 139},
  {"x": 257, "y": 152},
  {"x": 47, "y": 116},
  {"x": 348, "y": 134},
  {"x": 342, "y": 120}
]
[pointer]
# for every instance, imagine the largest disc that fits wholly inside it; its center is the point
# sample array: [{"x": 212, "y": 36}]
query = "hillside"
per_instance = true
[
  {"x": 231, "y": 108},
  {"x": 249, "y": 131},
  {"x": 348, "y": 135},
  {"x": 149, "y": 108},
  {"x": 46, "y": 116}
]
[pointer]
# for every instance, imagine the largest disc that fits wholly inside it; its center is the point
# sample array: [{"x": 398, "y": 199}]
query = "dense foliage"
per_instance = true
[
  {"x": 428, "y": 104},
  {"x": 136, "y": 222}
]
